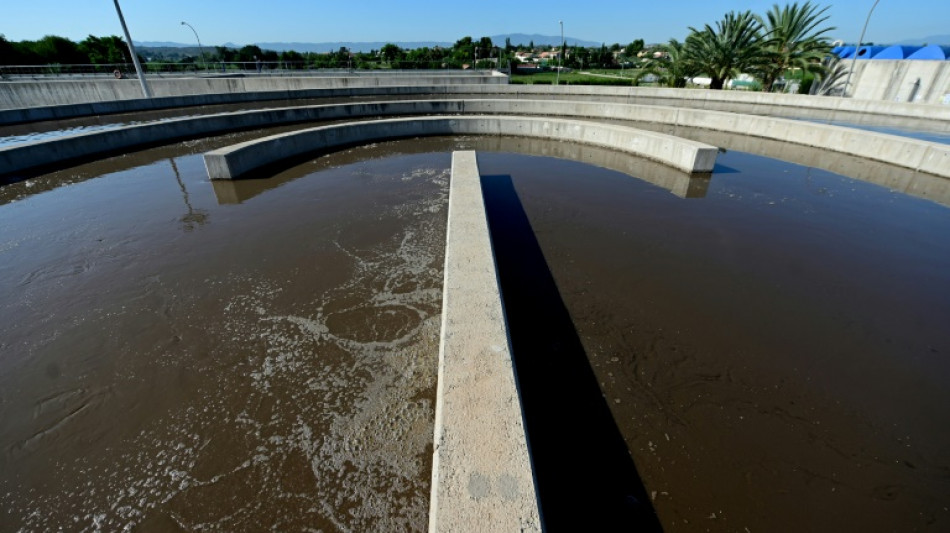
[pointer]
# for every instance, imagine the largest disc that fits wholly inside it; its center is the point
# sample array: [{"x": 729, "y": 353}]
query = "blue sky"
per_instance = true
[{"x": 244, "y": 21}]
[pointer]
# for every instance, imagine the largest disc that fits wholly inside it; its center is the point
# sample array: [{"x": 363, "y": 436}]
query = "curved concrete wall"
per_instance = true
[
  {"x": 52, "y": 93},
  {"x": 798, "y": 106},
  {"x": 62, "y": 112},
  {"x": 929, "y": 157},
  {"x": 933, "y": 158},
  {"x": 245, "y": 158},
  {"x": 677, "y": 182},
  {"x": 62, "y": 150}
]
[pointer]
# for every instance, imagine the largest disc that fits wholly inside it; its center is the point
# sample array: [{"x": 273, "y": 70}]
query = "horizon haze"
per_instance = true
[{"x": 284, "y": 21}]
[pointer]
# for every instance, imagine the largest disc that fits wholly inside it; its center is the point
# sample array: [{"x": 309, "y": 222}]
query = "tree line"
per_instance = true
[
  {"x": 766, "y": 46},
  {"x": 53, "y": 49}
]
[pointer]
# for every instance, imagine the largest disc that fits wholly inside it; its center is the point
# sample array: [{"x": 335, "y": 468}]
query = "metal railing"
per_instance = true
[{"x": 219, "y": 68}]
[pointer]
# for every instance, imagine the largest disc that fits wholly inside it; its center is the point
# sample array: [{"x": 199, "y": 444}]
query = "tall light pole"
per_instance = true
[
  {"x": 183, "y": 23},
  {"x": 854, "y": 60},
  {"x": 135, "y": 57},
  {"x": 560, "y": 54}
]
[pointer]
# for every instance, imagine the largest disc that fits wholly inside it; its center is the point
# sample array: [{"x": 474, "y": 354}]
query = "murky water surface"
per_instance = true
[
  {"x": 178, "y": 357},
  {"x": 182, "y": 355},
  {"x": 774, "y": 349},
  {"x": 937, "y": 133}
]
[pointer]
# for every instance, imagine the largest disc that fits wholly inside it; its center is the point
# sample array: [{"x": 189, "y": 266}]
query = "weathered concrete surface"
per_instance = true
[
  {"x": 481, "y": 472},
  {"x": 61, "y": 150},
  {"x": 240, "y": 159},
  {"x": 896, "y": 150},
  {"x": 677, "y": 182},
  {"x": 902, "y": 80},
  {"x": 111, "y": 107},
  {"x": 891, "y": 113},
  {"x": 24, "y": 94}
]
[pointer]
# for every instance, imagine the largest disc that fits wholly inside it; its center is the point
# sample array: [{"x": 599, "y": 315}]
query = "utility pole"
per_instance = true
[
  {"x": 560, "y": 60},
  {"x": 854, "y": 60},
  {"x": 135, "y": 57}
]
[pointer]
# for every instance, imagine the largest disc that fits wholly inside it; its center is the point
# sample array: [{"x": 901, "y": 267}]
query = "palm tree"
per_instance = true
[
  {"x": 673, "y": 68},
  {"x": 832, "y": 80},
  {"x": 734, "y": 45},
  {"x": 796, "y": 40}
]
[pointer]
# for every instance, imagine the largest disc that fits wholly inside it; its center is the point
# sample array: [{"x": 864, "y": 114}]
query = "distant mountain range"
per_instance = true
[
  {"x": 516, "y": 39},
  {"x": 930, "y": 39}
]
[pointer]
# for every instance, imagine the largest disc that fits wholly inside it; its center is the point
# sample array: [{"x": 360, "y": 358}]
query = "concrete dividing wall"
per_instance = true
[
  {"x": 53, "y": 93},
  {"x": 246, "y": 158},
  {"x": 62, "y": 150},
  {"x": 933, "y": 158},
  {"x": 481, "y": 472},
  {"x": 756, "y": 103},
  {"x": 30, "y": 105},
  {"x": 60, "y": 112},
  {"x": 915, "y": 154}
]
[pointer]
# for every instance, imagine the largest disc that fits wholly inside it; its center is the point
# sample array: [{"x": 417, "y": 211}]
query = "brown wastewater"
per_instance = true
[{"x": 768, "y": 346}]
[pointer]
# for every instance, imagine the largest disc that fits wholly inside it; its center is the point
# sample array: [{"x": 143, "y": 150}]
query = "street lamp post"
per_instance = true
[
  {"x": 135, "y": 58},
  {"x": 854, "y": 60},
  {"x": 560, "y": 59},
  {"x": 200, "y": 48}
]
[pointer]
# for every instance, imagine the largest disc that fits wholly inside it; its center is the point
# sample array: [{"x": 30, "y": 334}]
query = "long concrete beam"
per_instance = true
[
  {"x": 929, "y": 157},
  {"x": 245, "y": 158},
  {"x": 481, "y": 471}
]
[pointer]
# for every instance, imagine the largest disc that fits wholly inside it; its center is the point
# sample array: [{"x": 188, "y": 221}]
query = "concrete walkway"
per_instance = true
[{"x": 481, "y": 472}]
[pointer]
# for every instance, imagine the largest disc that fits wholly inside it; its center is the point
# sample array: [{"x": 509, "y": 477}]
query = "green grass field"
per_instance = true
[{"x": 568, "y": 78}]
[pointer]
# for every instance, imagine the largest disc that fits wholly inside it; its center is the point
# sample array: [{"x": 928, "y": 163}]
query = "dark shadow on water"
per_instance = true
[
  {"x": 585, "y": 475},
  {"x": 723, "y": 169}
]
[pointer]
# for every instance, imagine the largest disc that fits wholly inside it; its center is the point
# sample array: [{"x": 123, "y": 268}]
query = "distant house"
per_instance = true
[
  {"x": 528, "y": 68},
  {"x": 525, "y": 57}
]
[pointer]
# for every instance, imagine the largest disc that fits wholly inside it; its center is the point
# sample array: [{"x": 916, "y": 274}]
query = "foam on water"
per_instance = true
[{"x": 309, "y": 411}]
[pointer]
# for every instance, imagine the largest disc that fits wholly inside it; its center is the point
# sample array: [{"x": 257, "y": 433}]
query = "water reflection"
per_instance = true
[
  {"x": 780, "y": 342},
  {"x": 193, "y": 218},
  {"x": 896, "y": 178}
]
